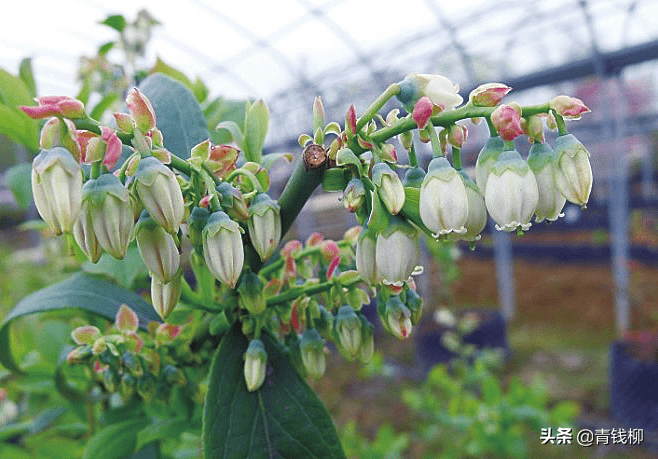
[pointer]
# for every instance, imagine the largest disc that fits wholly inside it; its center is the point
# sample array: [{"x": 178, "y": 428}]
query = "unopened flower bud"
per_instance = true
[
  {"x": 222, "y": 248},
  {"x": 422, "y": 111},
  {"x": 125, "y": 122},
  {"x": 365, "y": 256},
  {"x": 443, "y": 202},
  {"x": 488, "y": 94},
  {"x": 541, "y": 160},
  {"x": 534, "y": 129},
  {"x": 108, "y": 205},
  {"x": 160, "y": 193},
  {"x": 489, "y": 154},
  {"x": 507, "y": 122},
  {"x": 195, "y": 224},
  {"x": 511, "y": 196},
  {"x": 57, "y": 188},
  {"x": 86, "y": 334},
  {"x": 568, "y": 107},
  {"x": 348, "y": 328},
  {"x": 141, "y": 110},
  {"x": 83, "y": 232},
  {"x": 251, "y": 293},
  {"x": 255, "y": 363},
  {"x": 126, "y": 320},
  {"x": 79, "y": 354},
  {"x": 157, "y": 248},
  {"x": 398, "y": 317},
  {"x": 573, "y": 172},
  {"x": 233, "y": 202},
  {"x": 59, "y": 132},
  {"x": 367, "y": 347},
  {"x": 312, "y": 350},
  {"x": 396, "y": 252},
  {"x": 415, "y": 304},
  {"x": 456, "y": 135},
  {"x": 264, "y": 225},
  {"x": 55, "y": 106},
  {"x": 165, "y": 295},
  {"x": 391, "y": 190}
]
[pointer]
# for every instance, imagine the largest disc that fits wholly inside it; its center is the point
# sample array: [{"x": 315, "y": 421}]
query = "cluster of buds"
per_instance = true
[{"x": 130, "y": 363}]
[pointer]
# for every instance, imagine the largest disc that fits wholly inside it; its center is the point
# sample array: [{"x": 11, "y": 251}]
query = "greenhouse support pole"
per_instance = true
[{"x": 504, "y": 273}]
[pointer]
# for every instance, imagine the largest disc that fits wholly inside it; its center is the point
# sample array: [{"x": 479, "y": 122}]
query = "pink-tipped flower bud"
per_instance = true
[
  {"x": 348, "y": 329},
  {"x": 165, "y": 295},
  {"x": 160, "y": 193},
  {"x": 533, "y": 127},
  {"x": 86, "y": 334},
  {"x": 141, "y": 110},
  {"x": 55, "y": 106},
  {"x": 507, "y": 122},
  {"x": 125, "y": 122},
  {"x": 391, "y": 190},
  {"x": 157, "y": 248},
  {"x": 488, "y": 94},
  {"x": 255, "y": 364},
  {"x": 422, "y": 111},
  {"x": 541, "y": 160},
  {"x": 456, "y": 135},
  {"x": 126, "y": 320},
  {"x": 573, "y": 172},
  {"x": 512, "y": 195},
  {"x": 443, "y": 202},
  {"x": 110, "y": 208},
  {"x": 350, "y": 122},
  {"x": 312, "y": 350},
  {"x": 569, "y": 107},
  {"x": 398, "y": 317},
  {"x": 57, "y": 188},
  {"x": 59, "y": 132},
  {"x": 114, "y": 147},
  {"x": 264, "y": 225},
  {"x": 222, "y": 248},
  {"x": 354, "y": 195},
  {"x": 396, "y": 252}
]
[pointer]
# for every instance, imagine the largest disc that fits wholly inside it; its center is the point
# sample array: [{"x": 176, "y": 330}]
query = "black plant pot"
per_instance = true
[
  {"x": 491, "y": 333},
  {"x": 633, "y": 389}
]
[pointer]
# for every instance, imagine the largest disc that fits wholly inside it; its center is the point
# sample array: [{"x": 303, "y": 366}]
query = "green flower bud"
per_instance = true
[
  {"x": 443, "y": 202},
  {"x": 57, "y": 188},
  {"x": 157, "y": 248},
  {"x": 251, "y": 293},
  {"x": 415, "y": 304},
  {"x": 130, "y": 363},
  {"x": 367, "y": 347},
  {"x": 573, "y": 172},
  {"x": 312, "y": 350},
  {"x": 264, "y": 225},
  {"x": 255, "y": 363},
  {"x": 391, "y": 190},
  {"x": 83, "y": 232},
  {"x": 160, "y": 193},
  {"x": 195, "y": 224},
  {"x": 511, "y": 195},
  {"x": 232, "y": 201},
  {"x": 354, "y": 195},
  {"x": 222, "y": 248},
  {"x": 111, "y": 380},
  {"x": 165, "y": 295},
  {"x": 398, "y": 317},
  {"x": 106, "y": 202},
  {"x": 348, "y": 329},
  {"x": 541, "y": 160}
]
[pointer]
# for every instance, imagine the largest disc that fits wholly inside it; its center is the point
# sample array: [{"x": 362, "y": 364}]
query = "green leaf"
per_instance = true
[
  {"x": 491, "y": 391},
  {"x": 81, "y": 291},
  {"x": 255, "y": 129},
  {"x": 19, "y": 127},
  {"x": 27, "y": 76},
  {"x": 105, "y": 103},
  {"x": 235, "y": 132},
  {"x": 18, "y": 179},
  {"x": 116, "y": 441},
  {"x": 284, "y": 418},
  {"x": 346, "y": 156},
  {"x": 269, "y": 160},
  {"x": 178, "y": 114},
  {"x": 221, "y": 109},
  {"x": 124, "y": 272},
  {"x": 105, "y": 48},
  {"x": 163, "y": 428},
  {"x": 116, "y": 21}
]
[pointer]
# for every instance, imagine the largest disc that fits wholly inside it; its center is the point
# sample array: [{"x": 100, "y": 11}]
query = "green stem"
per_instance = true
[
  {"x": 456, "y": 158},
  {"x": 561, "y": 125},
  {"x": 96, "y": 169},
  {"x": 194, "y": 300},
  {"x": 299, "y": 188},
  {"x": 492, "y": 130},
  {"x": 124, "y": 167},
  {"x": 434, "y": 139},
  {"x": 413, "y": 160},
  {"x": 250, "y": 176},
  {"x": 378, "y": 103},
  {"x": 180, "y": 165},
  {"x": 307, "y": 291}
]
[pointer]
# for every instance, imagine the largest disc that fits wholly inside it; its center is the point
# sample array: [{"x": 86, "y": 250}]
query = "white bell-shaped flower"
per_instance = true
[
  {"x": 573, "y": 172},
  {"x": 396, "y": 252},
  {"x": 541, "y": 160},
  {"x": 222, "y": 248}
]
